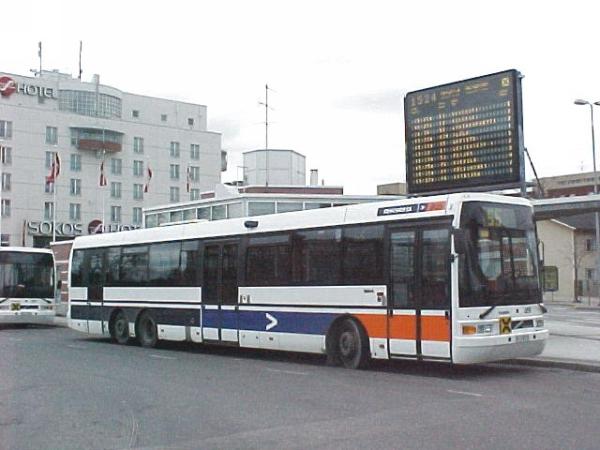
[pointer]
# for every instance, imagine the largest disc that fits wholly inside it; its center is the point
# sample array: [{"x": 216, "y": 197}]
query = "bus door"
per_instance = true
[
  {"x": 95, "y": 291},
  {"x": 220, "y": 292},
  {"x": 419, "y": 309}
]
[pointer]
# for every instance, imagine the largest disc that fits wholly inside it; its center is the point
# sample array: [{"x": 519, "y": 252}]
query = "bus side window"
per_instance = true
[
  {"x": 435, "y": 270},
  {"x": 402, "y": 266},
  {"x": 77, "y": 272},
  {"x": 191, "y": 260}
]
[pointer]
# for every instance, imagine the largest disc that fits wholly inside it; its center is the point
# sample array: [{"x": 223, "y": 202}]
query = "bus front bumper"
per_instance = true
[
  {"x": 482, "y": 349},
  {"x": 43, "y": 317}
]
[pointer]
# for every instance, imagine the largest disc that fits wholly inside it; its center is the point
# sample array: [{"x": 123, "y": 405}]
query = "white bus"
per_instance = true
[
  {"x": 452, "y": 278},
  {"x": 27, "y": 285}
]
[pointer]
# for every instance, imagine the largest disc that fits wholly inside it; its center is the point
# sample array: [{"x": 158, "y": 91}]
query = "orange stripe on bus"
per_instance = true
[{"x": 435, "y": 328}]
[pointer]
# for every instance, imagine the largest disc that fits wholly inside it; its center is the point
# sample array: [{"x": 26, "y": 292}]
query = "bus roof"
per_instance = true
[
  {"x": 26, "y": 250},
  {"x": 385, "y": 211}
]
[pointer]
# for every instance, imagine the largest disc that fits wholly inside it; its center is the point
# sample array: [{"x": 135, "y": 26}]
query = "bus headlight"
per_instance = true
[
  {"x": 539, "y": 323},
  {"x": 484, "y": 328},
  {"x": 47, "y": 307}
]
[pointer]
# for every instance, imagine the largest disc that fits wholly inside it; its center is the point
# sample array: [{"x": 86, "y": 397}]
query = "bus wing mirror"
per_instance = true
[{"x": 460, "y": 241}]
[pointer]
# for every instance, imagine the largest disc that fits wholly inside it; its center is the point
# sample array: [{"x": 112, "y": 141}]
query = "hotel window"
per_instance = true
[
  {"x": 6, "y": 182},
  {"x": 5, "y": 129},
  {"x": 194, "y": 194},
  {"x": 75, "y": 211},
  {"x": 115, "y": 214},
  {"x": 48, "y": 210},
  {"x": 191, "y": 121},
  {"x": 174, "y": 170},
  {"x": 51, "y": 135},
  {"x": 174, "y": 194},
  {"x": 194, "y": 173},
  {"x": 174, "y": 149},
  {"x": 163, "y": 117},
  {"x": 75, "y": 186},
  {"x": 138, "y": 145},
  {"x": 116, "y": 166},
  {"x": 195, "y": 151},
  {"x": 138, "y": 191},
  {"x": 137, "y": 216},
  {"x": 7, "y": 156},
  {"x": 115, "y": 189},
  {"x": 49, "y": 188},
  {"x": 135, "y": 114},
  {"x": 138, "y": 168},
  {"x": 5, "y": 207},
  {"x": 75, "y": 162},
  {"x": 49, "y": 156}
]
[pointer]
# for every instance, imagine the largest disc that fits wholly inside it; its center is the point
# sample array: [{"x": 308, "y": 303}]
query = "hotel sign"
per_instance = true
[{"x": 9, "y": 86}]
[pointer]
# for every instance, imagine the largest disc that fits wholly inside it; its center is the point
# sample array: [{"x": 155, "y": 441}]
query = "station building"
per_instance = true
[{"x": 150, "y": 151}]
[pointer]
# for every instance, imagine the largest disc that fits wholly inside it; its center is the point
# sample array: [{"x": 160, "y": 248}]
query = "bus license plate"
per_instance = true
[
  {"x": 15, "y": 306},
  {"x": 523, "y": 338}
]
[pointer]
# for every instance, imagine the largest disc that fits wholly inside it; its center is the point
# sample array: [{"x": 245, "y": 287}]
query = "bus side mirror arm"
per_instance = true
[{"x": 460, "y": 241}]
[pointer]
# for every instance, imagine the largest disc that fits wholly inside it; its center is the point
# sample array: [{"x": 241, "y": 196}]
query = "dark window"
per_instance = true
[
  {"x": 229, "y": 274},
  {"x": 77, "y": 272},
  {"x": 211, "y": 274},
  {"x": 113, "y": 262},
  {"x": 268, "y": 261},
  {"x": 190, "y": 263},
  {"x": 96, "y": 264},
  {"x": 363, "y": 255},
  {"x": 164, "y": 264},
  {"x": 317, "y": 257},
  {"x": 134, "y": 266},
  {"x": 436, "y": 250},
  {"x": 402, "y": 261}
]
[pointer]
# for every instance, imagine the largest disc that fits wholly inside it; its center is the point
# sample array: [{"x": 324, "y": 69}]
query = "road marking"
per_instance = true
[
  {"x": 162, "y": 357},
  {"x": 288, "y": 372},
  {"x": 471, "y": 394},
  {"x": 272, "y": 321},
  {"x": 78, "y": 347}
]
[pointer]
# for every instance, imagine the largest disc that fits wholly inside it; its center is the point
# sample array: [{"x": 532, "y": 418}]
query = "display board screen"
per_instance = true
[{"x": 465, "y": 134}]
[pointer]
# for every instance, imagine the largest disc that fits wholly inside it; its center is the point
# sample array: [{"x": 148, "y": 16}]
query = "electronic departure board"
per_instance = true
[{"x": 465, "y": 134}]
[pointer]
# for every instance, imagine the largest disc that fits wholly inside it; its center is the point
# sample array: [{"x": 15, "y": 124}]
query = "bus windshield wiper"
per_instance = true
[{"x": 484, "y": 314}]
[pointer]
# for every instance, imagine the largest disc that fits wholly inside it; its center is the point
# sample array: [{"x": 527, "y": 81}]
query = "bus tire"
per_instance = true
[
  {"x": 119, "y": 328},
  {"x": 146, "y": 330},
  {"x": 352, "y": 345}
]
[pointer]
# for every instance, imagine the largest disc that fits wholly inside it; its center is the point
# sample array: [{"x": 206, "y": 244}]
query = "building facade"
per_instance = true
[{"x": 118, "y": 152}]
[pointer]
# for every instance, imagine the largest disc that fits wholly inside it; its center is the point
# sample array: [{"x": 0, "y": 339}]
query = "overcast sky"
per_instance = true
[{"x": 338, "y": 70}]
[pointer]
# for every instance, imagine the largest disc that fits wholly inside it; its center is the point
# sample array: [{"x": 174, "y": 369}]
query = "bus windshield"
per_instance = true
[
  {"x": 500, "y": 265},
  {"x": 26, "y": 275}
]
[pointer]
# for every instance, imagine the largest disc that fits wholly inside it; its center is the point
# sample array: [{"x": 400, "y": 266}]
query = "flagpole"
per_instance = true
[
  {"x": 102, "y": 188},
  {"x": 54, "y": 199}
]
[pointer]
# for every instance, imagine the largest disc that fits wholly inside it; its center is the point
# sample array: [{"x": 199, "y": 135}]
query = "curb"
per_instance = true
[{"x": 577, "y": 365}]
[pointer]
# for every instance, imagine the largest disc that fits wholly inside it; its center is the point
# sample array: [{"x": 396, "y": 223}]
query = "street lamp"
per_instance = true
[{"x": 591, "y": 105}]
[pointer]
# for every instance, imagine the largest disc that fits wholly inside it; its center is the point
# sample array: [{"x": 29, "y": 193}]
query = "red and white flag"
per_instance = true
[
  {"x": 148, "y": 178},
  {"x": 54, "y": 169},
  {"x": 103, "y": 180},
  {"x": 189, "y": 179}
]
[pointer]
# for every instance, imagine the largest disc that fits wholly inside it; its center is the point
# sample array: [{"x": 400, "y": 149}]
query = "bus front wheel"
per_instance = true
[
  {"x": 120, "y": 328},
  {"x": 146, "y": 330},
  {"x": 352, "y": 345}
]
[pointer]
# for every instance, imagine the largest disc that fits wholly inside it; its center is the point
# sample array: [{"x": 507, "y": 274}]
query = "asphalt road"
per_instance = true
[{"x": 60, "y": 389}]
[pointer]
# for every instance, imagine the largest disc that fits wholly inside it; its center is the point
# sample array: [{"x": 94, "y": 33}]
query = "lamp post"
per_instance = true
[{"x": 597, "y": 215}]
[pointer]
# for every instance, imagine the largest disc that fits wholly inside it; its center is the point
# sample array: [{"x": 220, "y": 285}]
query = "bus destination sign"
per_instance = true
[{"x": 465, "y": 135}]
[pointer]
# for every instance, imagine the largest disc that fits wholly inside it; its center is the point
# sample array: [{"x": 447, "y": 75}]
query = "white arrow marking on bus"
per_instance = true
[{"x": 272, "y": 321}]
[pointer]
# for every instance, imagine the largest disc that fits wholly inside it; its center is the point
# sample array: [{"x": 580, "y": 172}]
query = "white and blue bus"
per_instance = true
[
  {"x": 27, "y": 285},
  {"x": 452, "y": 278}
]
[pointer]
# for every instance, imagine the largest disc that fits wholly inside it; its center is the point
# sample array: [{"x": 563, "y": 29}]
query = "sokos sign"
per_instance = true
[
  {"x": 8, "y": 86},
  {"x": 44, "y": 228}
]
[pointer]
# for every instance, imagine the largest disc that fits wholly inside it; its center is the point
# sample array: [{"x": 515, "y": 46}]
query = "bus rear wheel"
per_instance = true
[
  {"x": 120, "y": 328},
  {"x": 352, "y": 345},
  {"x": 146, "y": 330}
]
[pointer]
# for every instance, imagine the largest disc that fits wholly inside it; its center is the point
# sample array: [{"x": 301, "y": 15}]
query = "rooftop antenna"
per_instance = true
[
  {"x": 266, "y": 105},
  {"x": 80, "y": 48},
  {"x": 40, "y": 56}
]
